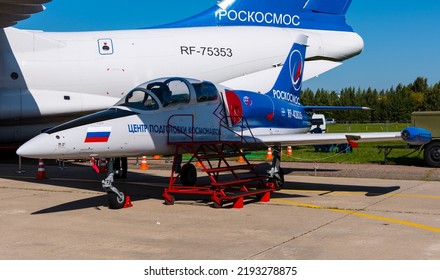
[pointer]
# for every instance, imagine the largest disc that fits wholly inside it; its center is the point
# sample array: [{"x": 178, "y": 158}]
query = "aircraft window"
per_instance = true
[
  {"x": 176, "y": 91},
  {"x": 206, "y": 92},
  {"x": 139, "y": 99},
  {"x": 159, "y": 89},
  {"x": 150, "y": 103}
]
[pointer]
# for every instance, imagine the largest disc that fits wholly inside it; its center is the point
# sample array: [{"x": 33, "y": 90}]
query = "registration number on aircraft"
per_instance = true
[{"x": 208, "y": 51}]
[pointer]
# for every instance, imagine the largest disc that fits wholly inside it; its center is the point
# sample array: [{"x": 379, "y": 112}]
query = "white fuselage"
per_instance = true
[
  {"x": 47, "y": 78},
  {"x": 143, "y": 127}
]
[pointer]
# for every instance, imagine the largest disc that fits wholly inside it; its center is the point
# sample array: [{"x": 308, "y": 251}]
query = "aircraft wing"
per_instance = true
[
  {"x": 13, "y": 11},
  {"x": 325, "y": 138}
]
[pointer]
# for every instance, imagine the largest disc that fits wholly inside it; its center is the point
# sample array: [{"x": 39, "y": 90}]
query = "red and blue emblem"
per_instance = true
[
  {"x": 247, "y": 101},
  {"x": 98, "y": 134},
  {"x": 296, "y": 69}
]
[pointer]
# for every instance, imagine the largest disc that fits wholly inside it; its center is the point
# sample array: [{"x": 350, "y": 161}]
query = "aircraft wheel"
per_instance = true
[
  {"x": 432, "y": 154},
  {"x": 278, "y": 180},
  {"x": 188, "y": 175},
  {"x": 170, "y": 201},
  {"x": 114, "y": 201}
]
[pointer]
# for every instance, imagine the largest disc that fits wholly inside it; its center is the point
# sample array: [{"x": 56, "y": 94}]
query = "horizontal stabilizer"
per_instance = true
[
  {"x": 335, "y": 7},
  {"x": 334, "y": 108}
]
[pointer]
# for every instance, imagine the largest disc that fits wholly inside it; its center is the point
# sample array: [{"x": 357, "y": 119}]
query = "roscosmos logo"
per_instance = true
[{"x": 296, "y": 63}]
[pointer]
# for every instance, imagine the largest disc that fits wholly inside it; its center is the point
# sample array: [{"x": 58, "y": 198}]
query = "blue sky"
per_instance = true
[{"x": 402, "y": 38}]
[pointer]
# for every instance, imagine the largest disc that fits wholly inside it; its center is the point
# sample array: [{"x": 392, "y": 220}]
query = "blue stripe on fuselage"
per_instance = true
[{"x": 263, "y": 111}]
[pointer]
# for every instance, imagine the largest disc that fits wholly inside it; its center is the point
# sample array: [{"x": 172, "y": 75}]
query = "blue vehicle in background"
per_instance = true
[{"x": 425, "y": 133}]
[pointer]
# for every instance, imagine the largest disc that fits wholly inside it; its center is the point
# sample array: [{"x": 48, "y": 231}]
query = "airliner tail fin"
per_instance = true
[{"x": 307, "y": 14}]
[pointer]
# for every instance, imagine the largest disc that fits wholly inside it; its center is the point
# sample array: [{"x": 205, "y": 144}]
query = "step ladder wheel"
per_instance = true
[
  {"x": 188, "y": 175},
  {"x": 170, "y": 200},
  {"x": 216, "y": 205}
]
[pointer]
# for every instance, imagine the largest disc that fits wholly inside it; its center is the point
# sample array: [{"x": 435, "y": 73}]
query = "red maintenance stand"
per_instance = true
[{"x": 229, "y": 181}]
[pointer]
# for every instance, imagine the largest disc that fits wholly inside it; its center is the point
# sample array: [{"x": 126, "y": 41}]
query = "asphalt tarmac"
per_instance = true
[{"x": 322, "y": 213}]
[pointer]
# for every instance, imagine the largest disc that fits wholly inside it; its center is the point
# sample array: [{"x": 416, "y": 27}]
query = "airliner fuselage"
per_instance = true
[{"x": 50, "y": 77}]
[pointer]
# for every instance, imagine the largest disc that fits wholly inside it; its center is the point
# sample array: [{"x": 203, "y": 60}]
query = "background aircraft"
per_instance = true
[
  {"x": 156, "y": 115},
  {"x": 50, "y": 77}
]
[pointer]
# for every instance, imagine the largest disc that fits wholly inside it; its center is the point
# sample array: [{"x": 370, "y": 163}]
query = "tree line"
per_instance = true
[{"x": 394, "y": 104}]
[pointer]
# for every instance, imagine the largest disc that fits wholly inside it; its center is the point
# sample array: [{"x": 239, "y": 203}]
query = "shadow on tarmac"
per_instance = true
[
  {"x": 329, "y": 188},
  {"x": 143, "y": 186}
]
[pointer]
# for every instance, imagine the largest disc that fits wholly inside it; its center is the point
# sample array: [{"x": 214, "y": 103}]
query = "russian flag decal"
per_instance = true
[{"x": 98, "y": 134}]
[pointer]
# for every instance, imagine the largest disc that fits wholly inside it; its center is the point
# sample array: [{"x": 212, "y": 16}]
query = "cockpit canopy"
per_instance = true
[{"x": 168, "y": 92}]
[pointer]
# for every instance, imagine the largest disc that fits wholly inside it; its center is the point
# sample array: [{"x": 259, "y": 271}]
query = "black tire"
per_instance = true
[
  {"x": 278, "y": 179},
  {"x": 114, "y": 202},
  {"x": 432, "y": 154},
  {"x": 216, "y": 205},
  {"x": 169, "y": 202},
  {"x": 188, "y": 175}
]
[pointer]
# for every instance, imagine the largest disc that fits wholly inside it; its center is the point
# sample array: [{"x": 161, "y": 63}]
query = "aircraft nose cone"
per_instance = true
[{"x": 41, "y": 146}]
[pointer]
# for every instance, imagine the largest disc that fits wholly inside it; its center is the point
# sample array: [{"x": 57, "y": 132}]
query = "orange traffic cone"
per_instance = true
[
  {"x": 269, "y": 154},
  {"x": 289, "y": 150},
  {"x": 241, "y": 158},
  {"x": 144, "y": 164},
  {"x": 41, "y": 174},
  {"x": 198, "y": 164},
  {"x": 156, "y": 157}
]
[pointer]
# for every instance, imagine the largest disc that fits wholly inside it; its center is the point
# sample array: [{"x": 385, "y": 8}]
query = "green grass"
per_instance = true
[{"x": 366, "y": 153}]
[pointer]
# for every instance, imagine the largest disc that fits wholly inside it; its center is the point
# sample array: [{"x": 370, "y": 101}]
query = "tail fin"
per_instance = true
[
  {"x": 288, "y": 84},
  {"x": 334, "y": 7},
  {"x": 307, "y": 14}
]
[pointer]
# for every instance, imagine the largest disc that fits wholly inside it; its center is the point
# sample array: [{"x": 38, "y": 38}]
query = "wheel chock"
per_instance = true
[
  {"x": 238, "y": 203},
  {"x": 265, "y": 197},
  {"x": 128, "y": 203}
]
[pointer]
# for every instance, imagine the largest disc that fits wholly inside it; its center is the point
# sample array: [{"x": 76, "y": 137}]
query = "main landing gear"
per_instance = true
[{"x": 276, "y": 173}]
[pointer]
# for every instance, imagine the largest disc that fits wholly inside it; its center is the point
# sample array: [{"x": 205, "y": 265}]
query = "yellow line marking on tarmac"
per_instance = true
[
  {"x": 359, "y": 214},
  {"x": 415, "y": 195},
  {"x": 363, "y": 193}
]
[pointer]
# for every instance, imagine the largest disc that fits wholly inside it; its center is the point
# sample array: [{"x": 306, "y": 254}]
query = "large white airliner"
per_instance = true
[{"x": 49, "y": 77}]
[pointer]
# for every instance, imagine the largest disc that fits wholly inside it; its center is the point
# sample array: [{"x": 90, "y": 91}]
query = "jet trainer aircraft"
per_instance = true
[
  {"x": 156, "y": 115},
  {"x": 50, "y": 77}
]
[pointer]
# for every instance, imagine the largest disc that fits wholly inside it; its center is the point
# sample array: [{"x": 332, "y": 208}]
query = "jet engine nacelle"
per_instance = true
[{"x": 416, "y": 136}]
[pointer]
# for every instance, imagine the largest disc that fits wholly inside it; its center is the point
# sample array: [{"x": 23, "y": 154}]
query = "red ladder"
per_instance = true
[{"x": 227, "y": 183}]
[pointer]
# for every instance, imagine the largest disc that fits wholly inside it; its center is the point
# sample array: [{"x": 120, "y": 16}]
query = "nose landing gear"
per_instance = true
[{"x": 116, "y": 199}]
